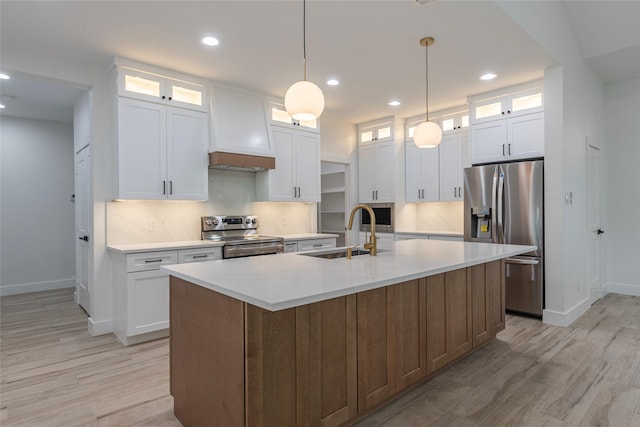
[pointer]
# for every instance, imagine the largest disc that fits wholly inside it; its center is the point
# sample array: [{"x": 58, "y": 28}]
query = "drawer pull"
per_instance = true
[
  {"x": 200, "y": 256},
  {"x": 149, "y": 261}
]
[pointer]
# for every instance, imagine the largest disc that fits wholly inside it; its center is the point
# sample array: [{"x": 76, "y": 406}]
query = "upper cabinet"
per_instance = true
[
  {"x": 376, "y": 131},
  {"x": 436, "y": 174},
  {"x": 240, "y": 124},
  {"x": 156, "y": 88},
  {"x": 162, "y": 146},
  {"x": 509, "y": 126},
  {"x": 296, "y": 177},
  {"x": 279, "y": 117},
  {"x": 376, "y": 161}
]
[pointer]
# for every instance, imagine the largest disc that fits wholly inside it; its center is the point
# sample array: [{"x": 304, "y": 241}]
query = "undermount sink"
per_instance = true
[{"x": 337, "y": 253}]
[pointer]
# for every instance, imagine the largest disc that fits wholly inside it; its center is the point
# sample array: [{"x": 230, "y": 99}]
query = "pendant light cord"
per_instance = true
[
  {"x": 426, "y": 100},
  {"x": 304, "y": 36}
]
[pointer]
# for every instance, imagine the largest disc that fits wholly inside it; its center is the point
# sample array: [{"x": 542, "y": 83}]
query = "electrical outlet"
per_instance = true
[{"x": 153, "y": 225}]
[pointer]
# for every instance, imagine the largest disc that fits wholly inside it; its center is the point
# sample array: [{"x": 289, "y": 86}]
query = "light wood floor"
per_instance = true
[{"x": 54, "y": 374}]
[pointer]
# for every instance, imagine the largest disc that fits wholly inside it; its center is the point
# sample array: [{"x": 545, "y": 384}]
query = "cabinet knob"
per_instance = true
[
  {"x": 164, "y": 97},
  {"x": 169, "y": 98},
  {"x": 508, "y": 111},
  {"x": 503, "y": 113}
]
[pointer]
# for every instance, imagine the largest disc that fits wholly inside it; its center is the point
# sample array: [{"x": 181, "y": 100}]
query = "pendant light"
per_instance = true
[
  {"x": 427, "y": 134},
  {"x": 304, "y": 100}
]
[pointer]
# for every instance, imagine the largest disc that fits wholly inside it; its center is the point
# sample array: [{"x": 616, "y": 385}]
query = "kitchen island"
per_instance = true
[{"x": 292, "y": 339}]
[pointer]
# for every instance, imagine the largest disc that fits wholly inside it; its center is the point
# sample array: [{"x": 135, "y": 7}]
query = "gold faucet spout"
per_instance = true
[{"x": 372, "y": 244}]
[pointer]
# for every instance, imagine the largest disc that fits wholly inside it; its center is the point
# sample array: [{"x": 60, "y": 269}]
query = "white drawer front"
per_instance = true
[
  {"x": 199, "y": 255},
  {"x": 150, "y": 260},
  {"x": 307, "y": 245},
  {"x": 290, "y": 247}
]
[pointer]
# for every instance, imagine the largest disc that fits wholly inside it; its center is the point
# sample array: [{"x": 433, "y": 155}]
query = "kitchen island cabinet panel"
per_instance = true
[
  {"x": 495, "y": 279},
  {"x": 411, "y": 336},
  {"x": 482, "y": 330},
  {"x": 459, "y": 312},
  {"x": 210, "y": 345},
  {"x": 376, "y": 347},
  {"x": 438, "y": 344},
  {"x": 332, "y": 362}
]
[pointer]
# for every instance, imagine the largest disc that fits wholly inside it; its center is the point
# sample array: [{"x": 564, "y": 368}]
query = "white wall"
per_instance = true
[
  {"x": 37, "y": 214},
  {"x": 622, "y": 189}
]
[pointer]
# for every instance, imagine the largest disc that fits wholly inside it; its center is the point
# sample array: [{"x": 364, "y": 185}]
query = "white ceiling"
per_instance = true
[{"x": 371, "y": 46}]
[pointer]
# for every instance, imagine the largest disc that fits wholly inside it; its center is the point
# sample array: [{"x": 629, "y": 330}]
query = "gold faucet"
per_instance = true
[{"x": 372, "y": 245}]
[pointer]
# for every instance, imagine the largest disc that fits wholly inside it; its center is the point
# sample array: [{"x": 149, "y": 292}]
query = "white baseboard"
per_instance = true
[
  {"x": 622, "y": 288},
  {"x": 568, "y": 317},
  {"x": 99, "y": 328},
  {"x": 25, "y": 288}
]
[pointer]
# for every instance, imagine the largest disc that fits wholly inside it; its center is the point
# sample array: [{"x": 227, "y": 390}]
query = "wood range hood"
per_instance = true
[{"x": 240, "y": 162}]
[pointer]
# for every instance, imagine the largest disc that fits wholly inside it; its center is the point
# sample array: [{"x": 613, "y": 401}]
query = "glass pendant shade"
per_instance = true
[
  {"x": 304, "y": 100},
  {"x": 427, "y": 135}
]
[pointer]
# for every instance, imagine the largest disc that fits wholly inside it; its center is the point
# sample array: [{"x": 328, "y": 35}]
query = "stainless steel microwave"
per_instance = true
[{"x": 384, "y": 218}]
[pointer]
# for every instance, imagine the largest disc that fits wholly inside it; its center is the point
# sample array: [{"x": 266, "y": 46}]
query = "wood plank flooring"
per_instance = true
[{"x": 53, "y": 373}]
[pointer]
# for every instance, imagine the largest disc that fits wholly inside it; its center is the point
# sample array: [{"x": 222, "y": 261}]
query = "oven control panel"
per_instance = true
[{"x": 224, "y": 222}]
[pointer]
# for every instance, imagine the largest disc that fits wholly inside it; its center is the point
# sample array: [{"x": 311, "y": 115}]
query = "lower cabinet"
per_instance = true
[
  {"x": 325, "y": 363},
  {"x": 141, "y": 291}
]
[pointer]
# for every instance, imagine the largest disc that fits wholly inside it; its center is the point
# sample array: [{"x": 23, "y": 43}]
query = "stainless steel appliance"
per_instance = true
[
  {"x": 240, "y": 236},
  {"x": 503, "y": 203},
  {"x": 384, "y": 218}
]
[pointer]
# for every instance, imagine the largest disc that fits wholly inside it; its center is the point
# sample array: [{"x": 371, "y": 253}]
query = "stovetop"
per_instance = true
[{"x": 234, "y": 229}]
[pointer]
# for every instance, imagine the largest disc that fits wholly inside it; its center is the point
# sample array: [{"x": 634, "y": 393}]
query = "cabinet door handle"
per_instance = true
[
  {"x": 459, "y": 191},
  {"x": 503, "y": 149},
  {"x": 454, "y": 192},
  {"x": 419, "y": 192},
  {"x": 200, "y": 256},
  {"x": 373, "y": 195},
  {"x": 509, "y": 151},
  {"x": 170, "y": 187},
  {"x": 164, "y": 187},
  {"x": 149, "y": 261},
  {"x": 317, "y": 245},
  {"x": 376, "y": 194},
  {"x": 299, "y": 192}
]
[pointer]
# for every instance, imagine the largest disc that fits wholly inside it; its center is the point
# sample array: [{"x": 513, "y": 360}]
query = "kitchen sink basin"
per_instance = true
[{"x": 337, "y": 253}]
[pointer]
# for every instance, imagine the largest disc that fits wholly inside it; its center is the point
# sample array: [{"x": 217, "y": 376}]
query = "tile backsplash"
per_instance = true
[
  {"x": 230, "y": 193},
  {"x": 443, "y": 216}
]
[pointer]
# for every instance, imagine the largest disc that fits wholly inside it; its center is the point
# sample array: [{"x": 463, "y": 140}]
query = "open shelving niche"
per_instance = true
[{"x": 332, "y": 209}]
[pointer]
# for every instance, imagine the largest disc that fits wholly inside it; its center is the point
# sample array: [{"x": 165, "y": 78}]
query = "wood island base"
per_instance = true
[{"x": 328, "y": 363}]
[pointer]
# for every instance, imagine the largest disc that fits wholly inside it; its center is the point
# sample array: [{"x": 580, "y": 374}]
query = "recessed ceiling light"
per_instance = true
[
  {"x": 1, "y": 106},
  {"x": 4, "y": 76},
  {"x": 333, "y": 82},
  {"x": 394, "y": 103},
  {"x": 488, "y": 76},
  {"x": 210, "y": 41}
]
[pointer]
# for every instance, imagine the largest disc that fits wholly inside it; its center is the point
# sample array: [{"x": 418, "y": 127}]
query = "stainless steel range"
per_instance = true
[{"x": 240, "y": 236}]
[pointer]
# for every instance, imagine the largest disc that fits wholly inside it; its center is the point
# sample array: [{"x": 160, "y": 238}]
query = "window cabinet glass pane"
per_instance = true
[
  {"x": 465, "y": 121},
  {"x": 189, "y": 96},
  {"x": 309, "y": 123},
  {"x": 412, "y": 130},
  {"x": 489, "y": 110},
  {"x": 384, "y": 132},
  {"x": 137, "y": 84},
  {"x": 279, "y": 115},
  {"x": 447, "y": 124},
  {"x": 527, "y": 102},
  {"x": 366, "y": 136}
]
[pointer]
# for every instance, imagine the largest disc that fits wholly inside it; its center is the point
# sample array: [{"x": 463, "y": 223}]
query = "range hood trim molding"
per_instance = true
[{"x": 240, "y": 162}]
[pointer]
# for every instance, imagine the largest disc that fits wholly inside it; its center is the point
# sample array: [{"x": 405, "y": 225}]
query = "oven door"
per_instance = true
[{"x": 252, "y": 249}]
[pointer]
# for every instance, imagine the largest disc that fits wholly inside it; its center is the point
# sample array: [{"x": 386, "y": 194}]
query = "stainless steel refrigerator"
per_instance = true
[{"x": 503, "y": 203}]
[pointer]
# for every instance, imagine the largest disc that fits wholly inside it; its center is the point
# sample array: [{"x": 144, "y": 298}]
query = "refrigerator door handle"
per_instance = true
[
  {"x": 500, "y": 208},
  {"x": 494, "y": 188}
]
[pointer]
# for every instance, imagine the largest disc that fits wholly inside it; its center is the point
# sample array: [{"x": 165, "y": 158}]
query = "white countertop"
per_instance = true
[
  {"x": 277, "y": 282},
  {"x": 162, "y": 246},
  {"x": 434, "y": 233},
  {"x": 307, "y": 236}
]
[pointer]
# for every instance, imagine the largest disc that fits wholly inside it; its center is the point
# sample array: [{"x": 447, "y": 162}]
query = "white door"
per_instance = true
[
  {"x": 281, "y": 179},
  {"x": 83, "y": 235},
  {"x": 384, "y": 172},
  {"x": 308, "y": 166},
  {"x": 366, "y": 171},
  {"x": 187, "y": 154},
  {"x": 595, "y": 226},
  {"x": 449, "y": 168}
]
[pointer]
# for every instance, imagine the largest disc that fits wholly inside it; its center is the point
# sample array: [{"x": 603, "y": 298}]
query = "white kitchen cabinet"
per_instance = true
[
  {"x": 280, "y": 117},
  {"x": 454, "y": 122},
  {"x": 453, "y": 158},
  {"x": 240, "y": 123},
  {"x": 296, "y": 177},
  {"x": 376, "y": 172},
  {"x": 141, "y": 291},
  {"x": 309, "y": 244},
  {"x": 514, "y": 138},
  {"x": 161, "y": 152},
  {"x": 507, "y": 125},
  {"x": 421, "y": 174},
  {"x": 376, "y": 131},
  {"x": 133, "y": 83}
]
